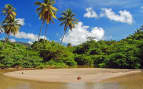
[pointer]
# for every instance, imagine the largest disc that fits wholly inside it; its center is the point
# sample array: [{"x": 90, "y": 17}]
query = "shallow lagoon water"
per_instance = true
[{"x": 133, "y": 81}]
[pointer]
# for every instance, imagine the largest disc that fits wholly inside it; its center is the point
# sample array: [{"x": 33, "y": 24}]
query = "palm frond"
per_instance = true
[
  {"x": 38, "y": 3},
  {"x": 46, "y": 10},
  {"x": 68, "y": 20}
]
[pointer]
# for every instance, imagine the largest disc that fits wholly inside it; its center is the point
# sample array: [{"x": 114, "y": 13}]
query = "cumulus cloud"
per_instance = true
[
  {"x": 90, "y": 13},
  {"x": 29, "y": 36},
  {"x": 80, "y": 34},
  {"x": 124, "y": 15},
  {"x": 12, "y": 40},
  {"x": 20, "y": 21}
]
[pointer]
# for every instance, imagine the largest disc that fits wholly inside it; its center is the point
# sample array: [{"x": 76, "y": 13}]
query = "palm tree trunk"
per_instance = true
[
  {"x": 63, "y": 35},
  {"x": 45, "y": 34},
  {"x": 27, "y": 52},
  {"x": 7, "y": 38},
  {"x": 46, "y": 31},
  {"x": 40, "y": 30}
]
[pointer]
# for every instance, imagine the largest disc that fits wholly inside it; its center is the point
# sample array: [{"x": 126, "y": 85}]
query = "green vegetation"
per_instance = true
[
  {"x": 126, "y": 53},
  {"x": 54, "y": 53},
  {"x": 17, "y": 55}
]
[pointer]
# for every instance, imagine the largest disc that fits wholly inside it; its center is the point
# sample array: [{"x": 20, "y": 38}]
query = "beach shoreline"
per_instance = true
[{"x": 90, "y": 75}]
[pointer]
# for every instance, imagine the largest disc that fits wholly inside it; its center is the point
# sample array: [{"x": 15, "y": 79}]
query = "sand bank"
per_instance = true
[{"x": 70, "y": 75}]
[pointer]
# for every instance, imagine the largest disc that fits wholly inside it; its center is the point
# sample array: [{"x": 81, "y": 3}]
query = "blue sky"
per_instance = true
[{"x": 104, "y": 19}]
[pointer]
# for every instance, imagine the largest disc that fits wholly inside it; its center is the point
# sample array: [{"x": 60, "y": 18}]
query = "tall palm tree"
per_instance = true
[
  {"x": 68, "y": 20},
  {"x": 46, "y": 12}
]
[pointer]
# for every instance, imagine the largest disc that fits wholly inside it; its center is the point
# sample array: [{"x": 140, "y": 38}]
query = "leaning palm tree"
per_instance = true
[
  {"x": 68, "y": 20},
  {"x": 46, "y": 12}
]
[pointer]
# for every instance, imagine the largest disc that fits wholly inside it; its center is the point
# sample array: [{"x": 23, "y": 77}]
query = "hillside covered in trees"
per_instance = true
[{"x": 126, "y": 53}]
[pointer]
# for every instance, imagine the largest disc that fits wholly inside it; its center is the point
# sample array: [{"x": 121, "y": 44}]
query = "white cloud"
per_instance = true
[
  {"x": 23, "y": 35},
  {"x": 12, "y": 40},
  {"x": 29, "y": 36},
  {"x": 90, "y": 13},
  {"x": 20, "y": 21},
  {"x": 97, "y": 33},
  {"x": 80, "y": 34},
  {"x": 30, "y": 42},
  {"x": 124, "y": 15}
]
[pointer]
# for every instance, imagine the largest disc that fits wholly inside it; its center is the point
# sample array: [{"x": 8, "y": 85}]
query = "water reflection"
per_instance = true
[
  {"x": 93, "y": 86},
  {"x": 20, "y": 86},
  {"x": 132, "y": 81},
  {"x": 10, "y": 83},
  {"x": 107, "y": 86},
  {"x": 76, "y": 85}
]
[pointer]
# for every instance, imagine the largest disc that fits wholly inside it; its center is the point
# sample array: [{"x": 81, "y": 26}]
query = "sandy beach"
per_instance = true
[{"x": 70, "y": 75}]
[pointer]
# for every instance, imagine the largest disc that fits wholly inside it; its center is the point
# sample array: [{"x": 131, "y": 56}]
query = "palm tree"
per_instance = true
[
  {"x": 10, "y": 25},
  {"x": 46, "y": 12},
  {"x": 68, "y": 20}
]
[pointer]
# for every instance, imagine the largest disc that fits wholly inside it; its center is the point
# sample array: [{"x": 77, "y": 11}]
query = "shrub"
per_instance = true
[
  {"x": 53, "y": 51},
  {"x": 84, "y": 60}
]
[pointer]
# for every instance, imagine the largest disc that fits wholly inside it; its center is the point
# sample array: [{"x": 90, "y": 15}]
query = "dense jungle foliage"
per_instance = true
[{"x": 126, "y": 53}]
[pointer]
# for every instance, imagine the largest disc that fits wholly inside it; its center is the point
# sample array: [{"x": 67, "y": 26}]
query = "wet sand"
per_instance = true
[{"x": 74, "y": 75}]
